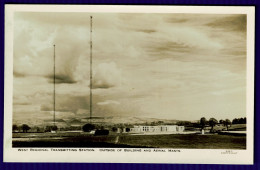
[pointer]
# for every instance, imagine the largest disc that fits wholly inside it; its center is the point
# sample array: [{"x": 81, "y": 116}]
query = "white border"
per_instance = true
[{"x": 205, "y": 156}]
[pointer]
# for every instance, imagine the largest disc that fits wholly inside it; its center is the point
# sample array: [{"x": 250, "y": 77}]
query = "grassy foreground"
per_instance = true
[
  {"x": 182, "y": 141},
  {"x": 190, "y": 141}
]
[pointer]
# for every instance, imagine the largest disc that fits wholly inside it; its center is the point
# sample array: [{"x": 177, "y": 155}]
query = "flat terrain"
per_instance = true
[{"x": 184, "y": 141}]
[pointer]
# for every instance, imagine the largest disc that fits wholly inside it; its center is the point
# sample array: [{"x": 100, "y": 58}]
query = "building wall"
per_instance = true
[{"x": 164, "y": 128}]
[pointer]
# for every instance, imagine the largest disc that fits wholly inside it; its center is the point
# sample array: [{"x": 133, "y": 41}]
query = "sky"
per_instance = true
[{"x": 170, "y": 66}]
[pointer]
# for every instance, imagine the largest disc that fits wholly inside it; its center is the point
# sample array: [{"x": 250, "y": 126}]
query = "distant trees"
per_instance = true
[
  {"x": 212, "y": 123},
  {"x": 25, "y": 128},
  {"x": 203, "y": 122},
  {"x": 15, "y": 128},
  {"x": 51, "y": 128},
  {"x": 114, "y": 129},
  {"x": 160, "y": 122},
  {"x": 183, "y": 123},
  {"x": 101, "y": 132},
  {"x": 221, "y": 121},
  {"x": 47, "y": 129},
  {"x": 235, "y": 121},
  {"x": 227, "y": 123},
  {"x": 54, "y": 128},
  {"x": 239, "y": 121},
  {"x": 127, "y": 129},
  {"x": 88, "y": 127},
  {"x": 153, "y": 123}
]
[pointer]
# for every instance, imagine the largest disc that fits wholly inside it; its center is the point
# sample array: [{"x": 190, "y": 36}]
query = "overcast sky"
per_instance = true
[{"x": 173, "y": 66}]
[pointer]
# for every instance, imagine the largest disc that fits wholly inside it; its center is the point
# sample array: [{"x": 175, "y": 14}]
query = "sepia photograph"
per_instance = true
[{"x": 143, "y": 79}]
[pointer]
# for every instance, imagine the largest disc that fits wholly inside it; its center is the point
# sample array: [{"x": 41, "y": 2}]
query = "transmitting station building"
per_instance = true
[{"x": 157, "y": 129}]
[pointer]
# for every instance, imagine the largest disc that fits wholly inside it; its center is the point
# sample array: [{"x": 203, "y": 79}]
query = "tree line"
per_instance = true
[
  {"x": 227, "y": 123},
  {"x": 24, "y": 128},
  {"x": 202, "y": 123}
]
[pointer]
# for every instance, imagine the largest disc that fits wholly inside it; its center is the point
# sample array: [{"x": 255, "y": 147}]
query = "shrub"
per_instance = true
[
  {"x": 101, "y": 132},
  {"x": 88, "y": 127}
]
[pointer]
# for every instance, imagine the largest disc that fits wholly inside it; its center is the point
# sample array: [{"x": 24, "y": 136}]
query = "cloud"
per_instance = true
[
  {"x": 191, "y": 37},
  {"x": 107, "y": 102},
  {"x": 177, "y": 20},
  {"x": 106, "y": 75},
  {"x": 45, "y": 107},
  {"x": 17, "y": 74},
  {"x": 146, "y": 30},
  {"x": 59, "y": 79},
  {"x": 231, "y": 23},
  {"x": 67, "y": 103},
  {"x": 33, "y": 48}
]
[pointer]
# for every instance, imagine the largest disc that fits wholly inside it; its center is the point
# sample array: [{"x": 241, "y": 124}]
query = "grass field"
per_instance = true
[{"x": 187, "y": 141}]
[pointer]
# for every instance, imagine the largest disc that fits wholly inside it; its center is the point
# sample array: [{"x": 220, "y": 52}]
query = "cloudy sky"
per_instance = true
[{"x": 173, "y": 66}]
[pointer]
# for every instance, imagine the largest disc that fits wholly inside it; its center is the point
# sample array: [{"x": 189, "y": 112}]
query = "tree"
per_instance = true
[
  {"x": 51, "y": 128},
  {"x": 160, "y": 122},
  {"x": 221, "y": 121},
  {"x": 15, "y": 128},
  {"x": 235, "y": 121},
  {"x": 114, "y": 129},
  {"x": 88, "y": 127},
  {"x": 54, "y": 128},
  {"x": 25, "y": 128},
  {"x": 153, "y": 123},
  {"x": 242, "y": 120},
  {"x": 203, "y": 122},
  {"x": 212, "y": 123},
  {"x": 239, "y": 120},
  {"x": 38, "y": 129},
  {"x": 183, "y": 123},
  {"x": 227, "y": 123},
  {"x": 47, "y": 129}
]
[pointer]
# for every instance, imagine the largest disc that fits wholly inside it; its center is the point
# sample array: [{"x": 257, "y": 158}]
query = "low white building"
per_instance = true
[{"x": 157, "y": 129}]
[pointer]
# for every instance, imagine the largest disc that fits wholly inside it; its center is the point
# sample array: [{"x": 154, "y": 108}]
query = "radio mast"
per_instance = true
[
  {"x": 90, "y": 91},
  {"x": 54, "y": 85}
]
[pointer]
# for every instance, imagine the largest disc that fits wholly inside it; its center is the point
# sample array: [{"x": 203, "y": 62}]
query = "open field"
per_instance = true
[
  {"x": 189, "y": 141},
  {"x": 219, "y": 127},
  {"x": 234, "y": 127},
  {"x": 185, "y": 141}
]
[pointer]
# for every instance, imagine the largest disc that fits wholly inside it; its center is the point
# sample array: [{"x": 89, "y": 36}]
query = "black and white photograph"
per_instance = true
[{"x": 165, "y": 79}]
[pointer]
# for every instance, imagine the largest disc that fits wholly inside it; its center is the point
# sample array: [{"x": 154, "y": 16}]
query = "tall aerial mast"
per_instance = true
[
  {"x": 90, "y": 104},
  {"x": 54, "y": 85}
]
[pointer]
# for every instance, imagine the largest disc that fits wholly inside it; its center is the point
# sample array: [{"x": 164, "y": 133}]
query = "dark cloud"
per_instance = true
[
  {"x": 67, "y": 103},
  {"x": 56, "y": 120},
  {"x": 146, "y": 30},
  {"x": 106, "y": 75},
  {"x": 235, "y": 51},
  {"x": 21, "y": 103},
  {"x": 177, "y": 20},
  {"x": 59, "y": 108},
  {"x": 46, "y": 108},
  {"x": 17, "y": 74},
  {"x": 71, "y": 104},
  {"x": 232, "y": 23},
  {"x": 61, "y": 79},
  {"x": 101, "y": 85},
  {"x": 165, "y": 49}
]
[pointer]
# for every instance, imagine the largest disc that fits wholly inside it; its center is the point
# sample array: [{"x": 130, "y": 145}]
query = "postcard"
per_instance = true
[{"x": 129, "y": 84}]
